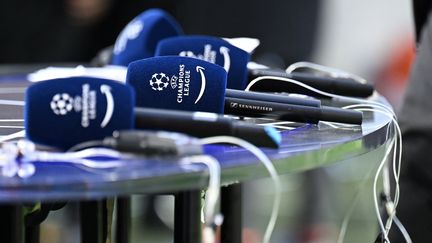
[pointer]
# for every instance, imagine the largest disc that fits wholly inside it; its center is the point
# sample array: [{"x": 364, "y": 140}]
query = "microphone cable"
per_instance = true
[
  {"x": 330, "y": 71},
  {"x": 12, "y": 136},
  {"x": 356, "y": 199},
  {"x": 262, "y": 157},
  {"x": 396, "y": 143},
  {"x": 212, "y": 218},
  {"x": 335, "y": 96},
  {"x": 19, "y": 134},
  {"x": 164, "y": 144},
  {"x": 390, "y": 205},
  {"x": 17, "y": 158}
]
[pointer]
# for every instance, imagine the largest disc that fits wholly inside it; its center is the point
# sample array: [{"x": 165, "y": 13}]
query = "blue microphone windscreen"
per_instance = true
[
  {"x": 212, "y": 49},
  {"x": 64, "y": 112},
  {"x": 138, "y": 40},
  {"x": 178, "y": 83}
]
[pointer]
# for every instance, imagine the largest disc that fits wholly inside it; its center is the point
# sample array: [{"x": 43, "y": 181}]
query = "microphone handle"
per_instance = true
[
  {"x": 204, "y": 124},
  {"x": 278, "y": 98},
  {"x": 339, "y": 86},
  {"x": 197, "y": 123},
  {"x": 286, "y": 112}
]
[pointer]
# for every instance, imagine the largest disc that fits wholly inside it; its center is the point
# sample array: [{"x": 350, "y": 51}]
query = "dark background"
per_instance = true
[{"x": 75, "y": 30}]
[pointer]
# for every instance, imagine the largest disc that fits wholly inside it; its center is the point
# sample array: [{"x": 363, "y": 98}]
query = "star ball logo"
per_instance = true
[
  {"x": 86, "y": 104},
  {"x": 61, "y": 104},
  {"x": 159, "y": 81},
  {"x": 209, "y": 55},
  {"x": 180, "y": 82}
]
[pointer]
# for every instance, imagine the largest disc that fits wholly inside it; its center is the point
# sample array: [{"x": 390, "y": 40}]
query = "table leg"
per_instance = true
[
  {"x": 93, "y": 221},
  {"x": 122, "y": 230},
  {"x": 32, "y": 234},
  {"x": 12, "y": 224},
  {"x": 231, "y": 209},
  {"x": 187, "y": 223}
]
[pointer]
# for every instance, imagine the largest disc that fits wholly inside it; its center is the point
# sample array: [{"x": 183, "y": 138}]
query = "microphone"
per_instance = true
[
  {"x": 140, "y": 37},
  {"x": 178, "y": 83},
  {"x": 209, "y": 49},
  {"x": 288, "y": 112},
  {"x": 205, "y": 124},
  {"x": 64, "y": 112},
  {"x": 67, "y": 111},
  {"x": 339, "y": 86},
  {"x": 251, "y": 95},
  {"x": 159, "y": 83}
]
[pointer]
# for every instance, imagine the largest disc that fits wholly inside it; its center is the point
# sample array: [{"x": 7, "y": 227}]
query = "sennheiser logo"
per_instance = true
[
  {"x": 209, "y": 55},
  {"x": 250, "y": 107},
  {"x": 159, "y": 81},
  {"x": 131, "y": 31},
  {"x": 180, "y": 82},
  {"x": 63, "y": 103}
]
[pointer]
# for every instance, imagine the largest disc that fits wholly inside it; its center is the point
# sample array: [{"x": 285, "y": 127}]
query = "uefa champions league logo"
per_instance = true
[
  {"x": 61, "y": 104},
  {"x": 210, "y": 55},
  {"x": 159, "y": 81},
  {"x": 86, "y": 104}
]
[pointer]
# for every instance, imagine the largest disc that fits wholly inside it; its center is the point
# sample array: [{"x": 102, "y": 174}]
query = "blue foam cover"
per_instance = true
[
  {"x": 138, "y": 40},
  {"x": 64, "y": 112},
  {"x": 178, "y": 83},
  {"x": 211, "y": 49}
]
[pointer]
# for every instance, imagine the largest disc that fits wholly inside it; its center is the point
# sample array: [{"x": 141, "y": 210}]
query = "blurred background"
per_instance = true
[{"x": 371, "y": 38}]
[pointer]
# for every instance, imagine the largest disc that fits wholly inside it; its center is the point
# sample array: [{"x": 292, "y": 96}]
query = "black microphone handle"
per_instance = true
[
  {"x": 202, "y": 124},
  {"x": 193, "y": 123},
  {"x": 286, "y": 112},
  {"x": 278, "y": 98},
  {"x": 339, "y": 86}
]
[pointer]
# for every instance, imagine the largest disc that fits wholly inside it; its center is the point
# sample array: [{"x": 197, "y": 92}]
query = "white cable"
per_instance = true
[
  {"x": 288, "y": 80},
  {"x": 332, "y": 72},
  {"x": 396, "y": 171},
  {"x": 378, "y": 107},
  {"x": 376, "y": 204},
  {"x": 402, "y": 230},
  {"x": 212, "y": 195},
  {"x": 388, "y": 111},
  {"x": 12, "y": 127},
  {"x": 355, "y": 201},
  {"x": 18, "y": 158},
  {"x": 79, "y": 157},
  {"x": 397, "y": 159},
  {"x": 375, "y": 182},
  {"x": 341, "y": 125},
  {"x": 20, "y": 134},
  {"x": 269, "y": 166},
  {"x": 12, "y": 102},
  {"x": 11, "y": 120}
]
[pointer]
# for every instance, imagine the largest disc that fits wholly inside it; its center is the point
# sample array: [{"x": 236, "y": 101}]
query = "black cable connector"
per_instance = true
[{"x": 150, "y": 143}]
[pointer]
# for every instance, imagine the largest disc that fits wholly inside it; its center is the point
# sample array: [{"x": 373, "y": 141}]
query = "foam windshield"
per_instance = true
[
  {"x": 178, "y": 83},
  {"x": 211, "y": 49},
  {"x": 140, "y": 37},
  {"x": 67, "y": 111}
]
